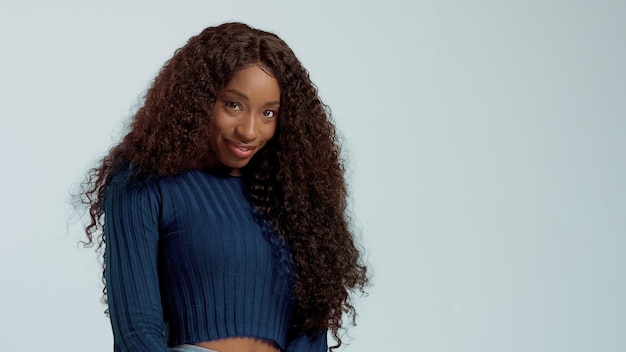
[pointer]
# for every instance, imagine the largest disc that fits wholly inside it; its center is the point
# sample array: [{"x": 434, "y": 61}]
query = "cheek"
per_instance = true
[
  {"x": 219, "y": 126},
  {"x": 268, "y": 134},
  {"x": 271, "y": 131},
  {"x": 213, "y": 136}
]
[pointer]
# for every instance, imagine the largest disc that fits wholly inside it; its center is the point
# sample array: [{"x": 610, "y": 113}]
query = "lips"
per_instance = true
[{"x": 240, "y": 150}]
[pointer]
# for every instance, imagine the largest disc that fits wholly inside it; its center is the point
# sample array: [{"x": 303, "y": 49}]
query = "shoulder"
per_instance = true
[
  {"x": 125, "y": 187},
  {"x": 188, "y": 183}
]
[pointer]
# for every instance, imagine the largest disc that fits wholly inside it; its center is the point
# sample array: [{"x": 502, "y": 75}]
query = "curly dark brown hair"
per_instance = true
[{"x": 296, "y": 181}]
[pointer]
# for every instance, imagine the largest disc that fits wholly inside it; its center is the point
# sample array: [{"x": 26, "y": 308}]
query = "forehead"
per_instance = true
[{"x": 254, "y": 81}]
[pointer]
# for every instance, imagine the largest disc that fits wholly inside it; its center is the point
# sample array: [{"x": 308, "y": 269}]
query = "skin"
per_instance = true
[
  {"x": 245, "y": 118},
  {"x": 240, "y": 344}
]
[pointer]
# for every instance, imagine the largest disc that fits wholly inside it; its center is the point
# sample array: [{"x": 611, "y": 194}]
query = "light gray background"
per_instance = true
[{"x": 485, "y": 140}]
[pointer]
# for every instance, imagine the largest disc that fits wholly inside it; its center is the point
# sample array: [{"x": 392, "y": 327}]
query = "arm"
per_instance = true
[
  {"x": 132, "y": 233},
  {"x": 308, "y": 343}
]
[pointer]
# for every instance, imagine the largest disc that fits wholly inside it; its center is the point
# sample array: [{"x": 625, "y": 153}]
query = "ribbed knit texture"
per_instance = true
[{"x": 186, "y": 261}]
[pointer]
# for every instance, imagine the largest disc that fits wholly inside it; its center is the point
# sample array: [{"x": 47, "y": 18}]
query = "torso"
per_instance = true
[
  {"x": 240, "y": 344},
  {"x": 235, "y": 280}
]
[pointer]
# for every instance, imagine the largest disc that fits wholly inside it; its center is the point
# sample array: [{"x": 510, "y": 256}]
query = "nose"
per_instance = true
[{"x": 245, "y": 129}]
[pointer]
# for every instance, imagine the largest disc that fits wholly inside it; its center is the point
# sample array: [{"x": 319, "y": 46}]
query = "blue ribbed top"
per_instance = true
[{"x": 187, "y": 261}]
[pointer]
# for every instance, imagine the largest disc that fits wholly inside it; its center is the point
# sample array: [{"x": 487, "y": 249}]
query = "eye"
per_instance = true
[
  {"x": 233, "y": 105},
  {"x": 269, "y": 113}
]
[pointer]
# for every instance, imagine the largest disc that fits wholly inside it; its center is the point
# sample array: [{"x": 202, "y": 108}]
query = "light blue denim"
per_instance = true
[{"x": 191, "y": 348}]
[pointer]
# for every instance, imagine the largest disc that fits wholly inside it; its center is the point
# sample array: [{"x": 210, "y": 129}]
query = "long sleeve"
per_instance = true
[
  {"x": 132, "y": 235},
  {"x": 308, "y": 343}
]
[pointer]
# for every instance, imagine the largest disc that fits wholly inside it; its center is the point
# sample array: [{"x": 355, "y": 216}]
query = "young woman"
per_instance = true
[{"x": 222, "y": 212}]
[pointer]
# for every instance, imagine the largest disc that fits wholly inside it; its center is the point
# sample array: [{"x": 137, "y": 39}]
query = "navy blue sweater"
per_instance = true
[{"x": 187, "y": 261}]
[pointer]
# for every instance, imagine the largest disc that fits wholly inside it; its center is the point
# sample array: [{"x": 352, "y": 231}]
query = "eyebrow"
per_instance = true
[{"x": 245, "y": 97}]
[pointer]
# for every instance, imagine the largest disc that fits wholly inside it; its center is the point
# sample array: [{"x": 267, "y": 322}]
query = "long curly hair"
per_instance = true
[{"x": 296, "y": 181}]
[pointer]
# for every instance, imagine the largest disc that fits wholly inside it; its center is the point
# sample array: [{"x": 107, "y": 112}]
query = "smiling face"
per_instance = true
[{"x": 244, "y": 117}]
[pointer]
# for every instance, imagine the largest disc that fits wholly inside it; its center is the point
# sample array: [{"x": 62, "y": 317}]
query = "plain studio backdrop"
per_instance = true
[{"x": 485, "y": 143}]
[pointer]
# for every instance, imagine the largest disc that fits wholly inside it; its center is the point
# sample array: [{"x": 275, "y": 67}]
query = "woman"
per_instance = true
[{"x": 223, "y": 209}]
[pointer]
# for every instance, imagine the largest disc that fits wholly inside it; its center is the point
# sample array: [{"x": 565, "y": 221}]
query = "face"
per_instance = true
[{"x": 244, "y": 117}]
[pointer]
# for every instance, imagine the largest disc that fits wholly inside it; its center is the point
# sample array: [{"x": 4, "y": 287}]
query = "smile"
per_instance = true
[{"x": 240, "y": 150}]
